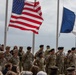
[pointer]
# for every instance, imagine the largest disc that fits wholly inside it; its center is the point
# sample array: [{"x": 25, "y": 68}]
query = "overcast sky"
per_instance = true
[{"x": 47, "y": 31}]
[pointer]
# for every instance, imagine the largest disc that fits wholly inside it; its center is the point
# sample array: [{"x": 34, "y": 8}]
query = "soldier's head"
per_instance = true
[
  {"x": 20, "y": 49},
  {"x": 15, "y": 52},
  {"x": 28, "y": 48},
  {"x": 40, "y": 54},
  {"x": 73, "y": 49},
  {"x": 51, "y": 51},
  {"x": 69, "y": 51},
  {"x": 61, "y": 49},
  {"x": 47, "y": 47},
  {"x": 41, "y": 47},
  {"x": 7, "y": 48},
  {"x": 70, "y": 71}
]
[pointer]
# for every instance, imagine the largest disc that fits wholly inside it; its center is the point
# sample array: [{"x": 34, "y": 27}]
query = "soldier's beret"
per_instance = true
[
  {"x": 60, "y": 48},
  {"x": 50, "y": 50},
  {"x": 41, "y": 46},
  {"x": 28, "y": 48},
  {"x": 70, "y": 68},
  {"x": 47, "y": 46},
  {"x": 73, "y": 48}
]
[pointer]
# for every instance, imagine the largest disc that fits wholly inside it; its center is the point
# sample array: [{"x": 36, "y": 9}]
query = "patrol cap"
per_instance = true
[
  {"x": 28, "y": 48},
  {"x": 70, "y": 69},
  {"x": 41, "y": 46},
  {"x": 60, "y": 48},
  {"x": 73, "y": 48}
]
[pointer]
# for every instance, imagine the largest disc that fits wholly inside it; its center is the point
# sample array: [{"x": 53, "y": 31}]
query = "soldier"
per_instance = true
[
  {"x": 67, "y": 61},
  {"x": 60, "y": 60},
  {"x": 27, "y": 59},
  {"x": 40, "y": 62},
  {"x": 7, "y": 53},
  {"x": 40, "y": 50},
  {"x": 51, "y": 60},
  {"x": 20, "y": 54},
  {"x": 72, "y": 57},
  {"x": 46, "y": 51},
  {"x": 2, "y": 60},
  {"x": 15, "y": 58}
]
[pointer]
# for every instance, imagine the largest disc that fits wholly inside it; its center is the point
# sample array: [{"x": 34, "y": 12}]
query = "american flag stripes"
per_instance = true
[{"x": 26, "y": 15}]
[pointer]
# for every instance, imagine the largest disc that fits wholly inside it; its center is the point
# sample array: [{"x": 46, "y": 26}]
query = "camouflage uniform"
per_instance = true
[
  {"x": 27, "y": 61},
  {"x": 8, "y": 56},
  {"x": 60, "y": 62},
  {"x": 14, "y": 60},
  {"x": 40, "y": 62},
  {"x": 51, "y": 61},
  {"x": 2, "y": 60}
]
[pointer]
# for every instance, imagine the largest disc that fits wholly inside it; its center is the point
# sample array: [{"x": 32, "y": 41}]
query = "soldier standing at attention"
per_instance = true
[
  {"x": 7, "y": 54},
  {"x": 27, "y": 59},
  {"x": 40, "y": 62},
  {"x": 3, "y": 61},
  {"x": 72, "y": 57},
  {"x": 51, "y": 61},
  {"x": 60, "y": 60},
  {"x": 46, "y": 51},
  {"x": 15, "y": 58},
  {"x": 40, "y": 50}
]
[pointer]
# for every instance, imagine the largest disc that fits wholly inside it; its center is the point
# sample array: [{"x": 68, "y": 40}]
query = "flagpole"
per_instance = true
[
  {"x": 5, "y": 31},
  {"x": 33, "y": 43},
  {"x": 57, "y": 32},
  {"x": 75, "y": 42}
]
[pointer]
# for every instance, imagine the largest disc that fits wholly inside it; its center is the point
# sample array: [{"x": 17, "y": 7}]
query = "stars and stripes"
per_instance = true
[{"x": 27, "y": 16}]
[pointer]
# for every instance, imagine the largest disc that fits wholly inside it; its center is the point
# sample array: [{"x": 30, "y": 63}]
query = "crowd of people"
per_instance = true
[{"x": 43, "y": 62}]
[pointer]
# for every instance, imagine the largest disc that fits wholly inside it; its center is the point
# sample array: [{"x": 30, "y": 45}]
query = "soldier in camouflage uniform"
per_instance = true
[
  {"x": 15, "y": 58},
  {"x": 40, "y": 50},
  {"x": 27, "y": 59},
  {"x": 60, "y": 60},
  {"x": 7, "y": 54},
  {"x": 2, "y": 60},
  {"x": 72, "y": 57},
  {"x": 67, "y": 61},
  {"x": 51, "y": 61},
  {"x": 40, "y": 62},
  {"x": 46, "y": 51}
]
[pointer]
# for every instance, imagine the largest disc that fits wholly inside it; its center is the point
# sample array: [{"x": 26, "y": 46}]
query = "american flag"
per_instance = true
[{"x": 26, "y": 15}]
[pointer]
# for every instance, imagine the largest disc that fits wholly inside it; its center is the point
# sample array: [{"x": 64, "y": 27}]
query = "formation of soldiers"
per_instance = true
[{"x": 49, "y": 61}]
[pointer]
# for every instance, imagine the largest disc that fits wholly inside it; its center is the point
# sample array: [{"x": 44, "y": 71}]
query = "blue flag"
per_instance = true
[
  {"x": 68, "y": 21},
  {"x": 17, "y": 6}
]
